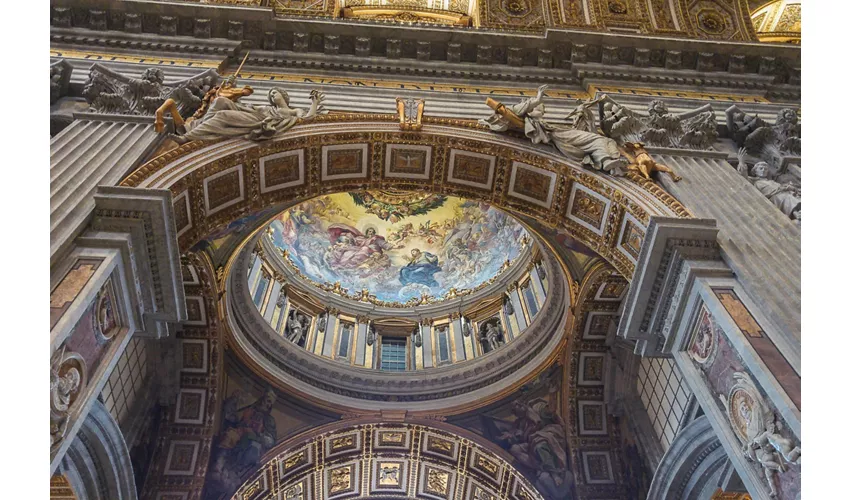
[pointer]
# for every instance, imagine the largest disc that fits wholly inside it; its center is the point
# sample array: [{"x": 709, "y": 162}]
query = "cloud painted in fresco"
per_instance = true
[{"x": 454, "y": 243}]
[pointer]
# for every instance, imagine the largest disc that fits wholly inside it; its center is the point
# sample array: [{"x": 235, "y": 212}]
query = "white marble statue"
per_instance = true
[
  {"x": 588, "y": 147},
  {"x": 228, "y": 118},
  {"x": 762, "y": 443},
  {"x": 786, "y": 196},
  {"x": 296, "y": 324},
  {"x": 491, "y": 333}
]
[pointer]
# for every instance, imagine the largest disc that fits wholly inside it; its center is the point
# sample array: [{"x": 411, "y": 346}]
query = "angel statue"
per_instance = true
[
  {"x": 786, "y": 195},
  {"x": 762, "y": 443},
  {"x": 592, "y": 149},
  {"x": 695, "y": 129}
]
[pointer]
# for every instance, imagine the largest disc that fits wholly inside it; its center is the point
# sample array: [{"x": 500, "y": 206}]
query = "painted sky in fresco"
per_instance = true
[{"x": 400, "y": 250}]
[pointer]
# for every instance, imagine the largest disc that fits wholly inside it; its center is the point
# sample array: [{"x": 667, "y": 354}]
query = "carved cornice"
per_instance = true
[
  {"x": 671, "y": 250},
  {"x": 148, "y": 216},
  {"x": 186, "y": 28}
]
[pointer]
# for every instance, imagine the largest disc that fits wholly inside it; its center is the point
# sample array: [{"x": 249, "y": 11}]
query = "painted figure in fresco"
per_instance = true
[
  {"x": 592, "y": 149},
  {"x": 785, "y": 196},
  {"x": 246, "y": 434},
  {"x": 352, "y": 249},
  {"x": 537, "y": 440},
  {"x": 420, "y": 269}
]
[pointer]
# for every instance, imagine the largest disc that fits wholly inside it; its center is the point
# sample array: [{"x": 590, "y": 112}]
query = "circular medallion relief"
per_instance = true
[
  {"x": 617, "y": 7},
  {"x": 742, "y": 404},
  {"x": 106, "y": 323},
  {"x": 517, "y": 8},
  {"x": 711, "y": 21},
  {"x": 704, "y": 341}
]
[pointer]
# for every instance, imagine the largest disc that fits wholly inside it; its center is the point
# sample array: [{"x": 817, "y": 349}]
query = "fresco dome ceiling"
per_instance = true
[{"x": 398, "y": 245}]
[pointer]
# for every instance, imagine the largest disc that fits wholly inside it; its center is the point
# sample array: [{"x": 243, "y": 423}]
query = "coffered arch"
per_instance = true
[{"x": 214, "y": 184}]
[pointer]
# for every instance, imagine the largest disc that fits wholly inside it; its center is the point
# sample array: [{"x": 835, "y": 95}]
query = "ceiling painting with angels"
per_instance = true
[{"x": 398, "y": 245}]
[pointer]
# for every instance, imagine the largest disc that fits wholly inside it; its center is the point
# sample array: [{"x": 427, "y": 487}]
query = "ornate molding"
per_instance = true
[
  {"x": 674, "y": 250},
  {"x": 255, "y": 340}
]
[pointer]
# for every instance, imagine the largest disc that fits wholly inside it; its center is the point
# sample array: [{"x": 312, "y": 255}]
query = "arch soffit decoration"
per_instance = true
[
  {"x": 216, "y": 183},
  {"x": 423, "y": 459}
]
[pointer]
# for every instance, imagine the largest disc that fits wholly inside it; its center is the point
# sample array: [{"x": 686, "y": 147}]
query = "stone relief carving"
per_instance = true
[
  {"x": 108, "y": 91},
  {"x": 781, "y": 188},
  {"x": 695, "y": 129},
  {"x": 757, "y": 428},
  {"x": 579, "y": 142},
  {"x": 770, "y": 143},
  {"x": 67, "y": 378}
]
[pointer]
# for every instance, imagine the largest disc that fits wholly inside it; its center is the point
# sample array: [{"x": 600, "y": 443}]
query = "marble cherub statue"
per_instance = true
[{"x": 577, "y": 142}]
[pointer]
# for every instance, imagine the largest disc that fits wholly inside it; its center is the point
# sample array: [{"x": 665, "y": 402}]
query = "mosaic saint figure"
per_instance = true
[
  {"x": 420, "y": 269},
  {"x": 537, "y": 439},
  {"x": 592, "y": 149},
  {"x": 246, "y": 434}
]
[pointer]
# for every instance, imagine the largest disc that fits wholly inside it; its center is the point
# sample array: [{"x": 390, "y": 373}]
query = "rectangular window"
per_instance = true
[
  {"x": 260, "y": 292},
  {"x": 344, "y": 340},
  {"x": 443, "y": 345},
  {"x": 393, "y": 354},
  {"x": 530, "y": 300}
]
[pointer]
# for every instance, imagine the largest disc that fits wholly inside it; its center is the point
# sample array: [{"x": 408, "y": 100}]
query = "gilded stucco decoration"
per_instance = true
[
  {"x": 445, "y": 12},
  {"x": 401, "y": 460},
  {"x": 516, "y": 177},
  {"x": 720, "y": 19},
  {"x": 778, "y": 21},
  {"x": 513, "y": 15}
]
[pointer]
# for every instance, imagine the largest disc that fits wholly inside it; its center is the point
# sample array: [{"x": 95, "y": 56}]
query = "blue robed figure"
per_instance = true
[{"x": 420, "y": 269}]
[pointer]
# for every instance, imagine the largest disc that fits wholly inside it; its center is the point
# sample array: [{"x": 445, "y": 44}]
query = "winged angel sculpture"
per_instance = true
[
  {"x": 695, "y": 129},
  {"x": 756, "y": 425}
]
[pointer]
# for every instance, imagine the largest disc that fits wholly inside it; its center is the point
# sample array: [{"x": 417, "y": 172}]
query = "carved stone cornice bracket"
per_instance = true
[
  {"x": 140, "y": 223},
  {"x": 60, "y": 79},
  {"x": 675, "y": 252}
]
